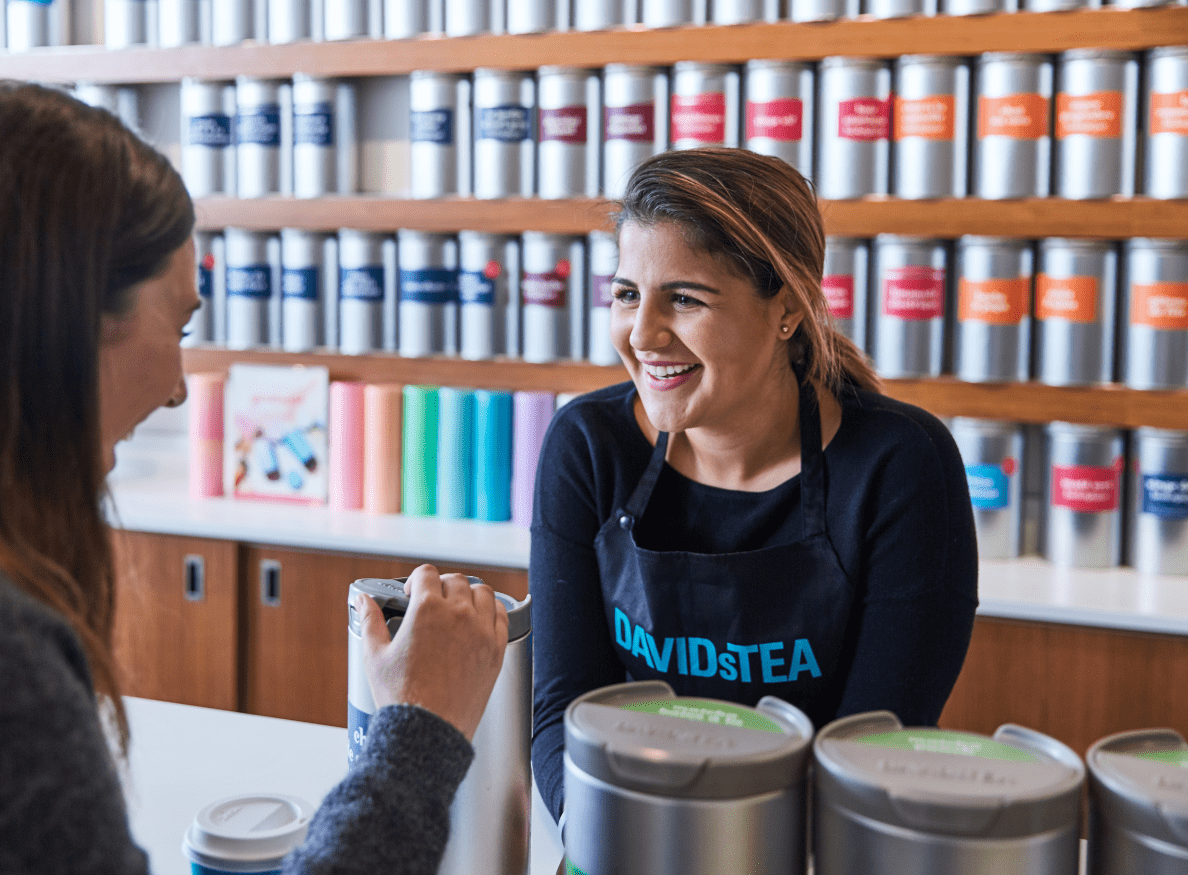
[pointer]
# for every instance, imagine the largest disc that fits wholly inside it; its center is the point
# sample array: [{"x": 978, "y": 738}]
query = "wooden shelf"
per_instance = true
[
  {"x": 1015, "y": 402},
  {"x": 1046, "y": 32}
]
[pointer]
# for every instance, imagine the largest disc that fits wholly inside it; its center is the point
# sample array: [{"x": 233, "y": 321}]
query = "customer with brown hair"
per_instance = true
[
  {"x": 748, "y": 516},
  {"x": 97, "y": 283}
]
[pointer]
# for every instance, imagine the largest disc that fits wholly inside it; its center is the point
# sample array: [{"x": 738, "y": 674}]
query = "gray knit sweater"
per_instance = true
[{"x": 62, "y": 809}]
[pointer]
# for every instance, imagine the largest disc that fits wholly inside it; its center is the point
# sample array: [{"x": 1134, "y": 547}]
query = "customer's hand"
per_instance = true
[{"x": 447, "y": 653}]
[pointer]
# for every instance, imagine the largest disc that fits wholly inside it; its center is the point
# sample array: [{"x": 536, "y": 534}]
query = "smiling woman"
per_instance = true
[{"x": 748, "y": 516}]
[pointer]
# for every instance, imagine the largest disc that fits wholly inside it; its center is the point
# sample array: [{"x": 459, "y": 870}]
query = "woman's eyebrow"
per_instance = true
[{"x": 669, "y": 287}]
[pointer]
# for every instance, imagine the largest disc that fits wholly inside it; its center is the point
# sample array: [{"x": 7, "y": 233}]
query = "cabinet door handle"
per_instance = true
[
  {"x": 270, "y": 582},
  {"x": 194, "y": 578}
]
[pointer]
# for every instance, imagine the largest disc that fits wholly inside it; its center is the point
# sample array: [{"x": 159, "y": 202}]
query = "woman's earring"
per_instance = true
[{"x": 784, "y": 329}]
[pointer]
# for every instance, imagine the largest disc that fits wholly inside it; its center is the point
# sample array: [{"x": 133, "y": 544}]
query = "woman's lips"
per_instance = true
[{"x": 668, "y": 375}]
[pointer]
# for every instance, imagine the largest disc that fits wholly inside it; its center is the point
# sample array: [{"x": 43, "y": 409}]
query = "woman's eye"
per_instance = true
[
  {"x": 685, "y": 301},
  {"x": 624, "y": 295}
]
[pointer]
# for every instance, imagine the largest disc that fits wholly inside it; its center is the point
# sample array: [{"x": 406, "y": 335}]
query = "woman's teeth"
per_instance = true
[{"x": 662, "y": 371}]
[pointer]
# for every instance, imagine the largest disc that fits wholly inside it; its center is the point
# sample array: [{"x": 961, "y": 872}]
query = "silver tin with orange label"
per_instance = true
[
  {"x": 1155, "y": 345},
  {"x": 428, "y": 320},
  {"x": 604, "y": 261},
  {"x": 635, "y": 121},
  {"x": 846, "y": 283},
  {"x": 705, "y": 105},
  {"x": 439, "y": 134},
  {"x": 1013, "y": 145},
  {"x": 1166, "y": 123},
  {"x": 488, "y": 295},
  {"x": 992, "y": 342},
  {"x": 567, "y": 151},
  {"x": 992, "y": 453},
  {"x": 504, "y": 119},
  {"x": 552, "y": 289},
  {"x": 778, "y": 112},
  {"x": 931, "y": 127},
  {"x": 1084, "y": 496},
  {"x": 1096, "y": 124},
  {"x": 909, "y": 297},
  {"x": 854, "y": 135},
  {"x": 1159, "y": 503},
  {"x": 1076, "y": 297}
]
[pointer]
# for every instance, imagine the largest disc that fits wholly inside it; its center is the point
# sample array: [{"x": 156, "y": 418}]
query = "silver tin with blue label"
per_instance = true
[
  {"x": 258, "y": 136},
  {"x": 504, "y": 124},
  {"x": 552, "y": 290},
  {"x": 992, "y": 341},
  {"x": 361, "y": 287},
  {"x": 992, "y": 452},
  {"x": 568, "y": 134},
  {"x": 211, "y": 270},
  {"x": 428, "y": 293},
  {"x": 309, "y": 274},
  {"x": 253, "y": 280},
  {"x": 492, "y": 805},
  {"x": 488, "y": 295},
  {"x": 207, "y": 144},
  {"x": 439, "y": 134},
  {"x": 1159, "y": 502},
  {"x": 604, "y": 262}
]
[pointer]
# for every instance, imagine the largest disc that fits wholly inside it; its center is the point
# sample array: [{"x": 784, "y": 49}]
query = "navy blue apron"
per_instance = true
[{"x": 734, "y": 626}]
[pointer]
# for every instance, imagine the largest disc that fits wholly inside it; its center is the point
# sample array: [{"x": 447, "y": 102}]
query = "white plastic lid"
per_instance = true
[{"x": 251, "y": 832}]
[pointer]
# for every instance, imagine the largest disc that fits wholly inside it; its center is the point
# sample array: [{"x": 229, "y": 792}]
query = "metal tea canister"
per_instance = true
[
  {"x": 1138, "y": 803},
  {"x": 325, "y": 141},
  {"x": 363, "y": 288},
  {"x": 743, "y": 11},
  {"x": 309, "y": 286},
  {"x": 931, "y": 129},
  {"x": 854, "y": 135},
  {"x": 1096, "y": 124},
  {"x": 778, "y": 111},
  {"x": 1166, "y": 125},
  {"x": 32, "y": 24},
  {"x": 1076, "y": 295},
  {"x": 635, "y": 121},
  {"x": 898, "y": 8},
  {"x": 552, "y": 290},
  {"x": 992, "y": 341},
  {"x": 232, "y": 21},
  {"x": 122, "y": 101},
  {"x": 537, "y": 16},
  {"x": 504, "y": 151},
  {"x": 1084, "y": 522},
  {"x": 1012, "y": 151},
  {"x": 211, "y": 280},
  {"x": 705, "y": 105},
  {"x": 207, "y": 147},
  {"x": 909, "y": 295},
  {"x": 889, "y": 800},
  {"x": 1159, "y": 502},
  {"x": 428, "y": 317},
  {"x": 846, "y": 283},
  {"x": 822, "y": 10},
  {"x": 253, "y": 280},
  {"x": 491, "y": 809},
  {"x": 408, "y": 18},
  {"x": 468, "y": 17},
  {"x": 568, "y": 138},
  {"x": 657, "y": 784},
  {"x": 183, "y": 22},
  {"x": 351, "y": 19},
  {"x": 992, "y": 452},
  {"x": 292, "y": 20},
  {"x": 439, "y": 154},
  {"x": 604, "y": 262},
  {"x": 259, "y": 137},
  {"x": 974, "y": 7},
  {"x": 126, "y": 23},
  {"x": 1156, "y": 340},
  {"x": 670, "y": 13},
  {"x": 601, "y": 14},
  {"x": 488, "y": 295}
]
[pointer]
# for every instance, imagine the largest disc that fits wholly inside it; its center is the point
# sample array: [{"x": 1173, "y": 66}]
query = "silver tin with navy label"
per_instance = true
[
  {"x": 488, "y": 295},
  {"x": 568, "y": 138},
  {"x": 232, "y": 21},
  {"x": 504, "y": 119},
  {"x": 1076, "y": 297},
  {"x": 909, "y": 298},
  {"x": 705, "y": 107},
  {"x": 439, "y": 134},
  {"x": 428, "y": 294},
  {"x": 325, "y": 144},
  {"x": 1096, "y": 124},
  {"x": 635, "y": 121},
  {"x": 822, "y": 10},
  {"x": 992, "y": 453},
  {"x": 1159, "y": 503},
  {"x": 361, "y": 286},
  {"x": 253, "y": 274},
  {"x": 931, "y": 127},
  {"x": 604, "y": 262},
  {"x": 854, "y": 133},
  {"x": 309, "y": 273},
  {"x": 1155, "y": 345},
  {"x": 491, "y": 806},
  {"x": 846, "y": 284},
  {"x": 211, "y": 269},
  {"x": 1013, "y": 145},
  {"x": 207, "y": 148},
  {"x": 1166, "y": 123},
  {"x": 258, "y": 136},
  {"x": 1084, "y": 496},
  {"x": 778, "y": 112},
  {"x": 992, "y": 341},
  {"x": 552, "y": 289}
]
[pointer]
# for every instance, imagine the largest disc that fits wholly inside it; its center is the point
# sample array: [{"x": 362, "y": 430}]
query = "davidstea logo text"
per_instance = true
[{"x": 772, "y": 662}]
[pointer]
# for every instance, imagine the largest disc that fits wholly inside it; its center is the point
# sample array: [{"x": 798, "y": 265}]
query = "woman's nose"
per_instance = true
[{"x": 651, "y": 329}]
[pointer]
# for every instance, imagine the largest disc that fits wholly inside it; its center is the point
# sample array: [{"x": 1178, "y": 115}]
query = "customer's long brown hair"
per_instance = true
[
  {"x": 762, "y": 215},
  {"x": 87, "y": 211}
]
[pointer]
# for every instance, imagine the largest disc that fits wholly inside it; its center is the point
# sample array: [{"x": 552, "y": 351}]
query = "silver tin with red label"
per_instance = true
[
  {"x": 504, "y": 121},
  {"x": 929, "y": 153},
  {"x": 601, "y": 14},
  {"x": 552, "y": 291},
  {"x": 488, "y": 295},
  {"x": 1084, "y": 496},
  {"x": 1076, "y": 297},
  {"x": 211, "y": 280},
  {"x": 567, "y": 152},
  {"x": 992, "y": 453},
  {"x": 635, "y": 121},
  {"x": 231, "y": 21},
  {"x": 260, "y": 128},
  {"x": 363, "y": 285},
  {"x": 778, "y": 118},
  {"x": 325, "y": 143},
  {"x": 1159, "y": 501},
  {"x": 428, "y": 294},
  {"x": 207, "y": 147},
  {"x": 909, "y": 297},
  {"x": 1096, "y": 124},
  {"x": 1155, "y": 344},
  {"x": 309, "y": 286},
  {"x": 604, "y": 261},
  {"x": 1013, "y": 145},
  {"x": 466, "y": 17},
  {"x": 846, "y": 283},
  {"x": 1166, "y": 123},
  {"x": 899, "y": 8},
  {"x": 439, "y": 134},
  {"x": 253, "y": 288},
  {"x": 823, "y": 10},
  {"x": 854, "y": 136},
  {"x": 705, "y": 105},
  {"x": 742, "y": 11},
  {"x": 992, "y": 342}
]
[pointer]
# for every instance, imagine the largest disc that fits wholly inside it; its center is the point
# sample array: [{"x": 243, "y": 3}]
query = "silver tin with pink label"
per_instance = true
[
  {"x": 504, "y": 122},
  {"x": 992, "y": 453},
  {"x": 1013, "y": 129},
  {"x": 568, "y": 136},
  {"x": 1159, "y": 504},
  {"x": 1083, "y": 528},
  {"x": 931, "y": 127},
  {"x": 552, "y": 290},
  {"x": 635, "y": 121},
  {"x": 992, "y": 341},
  {"x": 1166, "y": 123},
  {"x": 846, "y": 283},
  {"x": 705, "y": 105},
  {"x": 428, "y": 314},
  {"x": 488, "y": 295},
  {"x": 909, "y": 298},
  {"x": 778, "y": 113},
  {"x": 854, "y": 135},
  {"x": 1076, "y": 297},
  {"x": 604, "y": 261},
  {"x": 439, "y": 134},
  {"x": 1096, "y": 124}
]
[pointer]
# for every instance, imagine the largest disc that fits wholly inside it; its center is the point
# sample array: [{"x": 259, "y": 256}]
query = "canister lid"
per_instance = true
[
  {"x": 842, "y": 61},
  {"x": 1156, "y": 243},
  {"x": 1077, "y": 243},
  {"x": 389, "y": 595},
  {"x": 998, "y": 427},
  {"x": 974, "y": 240},
  {"x": 1016, "y": 783},
  {"x": 1167, "y": 52},
  {"x": 251, "y": 832},
  {"x": 642, "y": 736},
  {"x": 776, "y": 64},
  {"x": 573, "y": 72},
  {"x": 907, "y": 240},
  {"x": 1139, "y": 783},
  {"x": 705, "y": 66},
  {"x": 1080, "y": 430},
  {"x": 1097, "y": 55},
  {"x": 1001, "y": 57}
]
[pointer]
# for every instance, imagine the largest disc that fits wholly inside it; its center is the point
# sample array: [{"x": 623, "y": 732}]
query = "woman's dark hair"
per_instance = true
[
  {"x": 760, "y": 215},
  {"x": 89, "y": 211}
]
